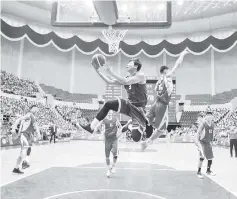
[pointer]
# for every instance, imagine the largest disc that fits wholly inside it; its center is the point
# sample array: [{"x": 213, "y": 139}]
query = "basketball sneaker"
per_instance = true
[
  {"x": 25, "y": 165},
  {"x": 108, "y": 174},
  {"x": 210, "y": 173},
  {"x": 113, "y": 170},
  {"x": 17, "y": 171},
  {"x": 86, "y": 128},
  {"x": 199, "y": 175},
  {"x": 144, "y": 145}
]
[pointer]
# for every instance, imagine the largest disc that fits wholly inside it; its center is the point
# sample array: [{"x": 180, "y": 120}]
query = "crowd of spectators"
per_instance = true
[
  {"x": 219, "y": 113},
  {"x": 65, "y": 116},
  {"x": 14, "y": 85},
  {"x": 45, "y": 115},
  {"x": 72, "y": 114},
  {"x": 224, "y": 121}
]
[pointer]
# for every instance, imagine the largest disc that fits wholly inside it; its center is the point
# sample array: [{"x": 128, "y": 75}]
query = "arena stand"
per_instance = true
[
  {"x": 74, "y": 113},
  {"x": 66, "y": 96},
  {"x": 205, "y": 99},
  {"x": 190, "y": 117},
  {"x": 199, "y": 99},
  {"x": 14, "y": 85},
  {"x": 64, "y": 115},
  {"x": 18, "y": 99}
]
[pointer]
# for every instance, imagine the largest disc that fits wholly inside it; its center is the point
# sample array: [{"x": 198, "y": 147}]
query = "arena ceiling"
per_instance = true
[
  {"x": 181, "y": 10},
  {"x": 208, "y": 15}
]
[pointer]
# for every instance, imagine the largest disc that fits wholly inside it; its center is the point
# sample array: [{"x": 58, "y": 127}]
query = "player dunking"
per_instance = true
[
  {"x": 111, "y": 126},
  {"x": 134, "y": 106},
  {"x": 158, "y": 113},
  {"x": 204, "y": 139},
  {"x": 27, "y": 128}
]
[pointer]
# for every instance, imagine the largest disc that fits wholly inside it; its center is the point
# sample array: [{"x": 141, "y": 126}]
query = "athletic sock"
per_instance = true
[
  {"x": 94, "y": 123},
  {"x": 209, "y": 163},
  {"x": 27, "y": 159},
  {"x": 18, "y": 162},
  {"x": 108, "y": 162}
]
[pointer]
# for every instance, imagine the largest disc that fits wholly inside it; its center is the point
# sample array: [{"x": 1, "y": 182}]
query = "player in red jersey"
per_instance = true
[
  {"x": 134, "y": 106},
  {"x": 158, "y": 113},
  {"x": 203, "y": 141},
  {"x": 26, "y": 132},
  {"x": 111, "y": 126}
]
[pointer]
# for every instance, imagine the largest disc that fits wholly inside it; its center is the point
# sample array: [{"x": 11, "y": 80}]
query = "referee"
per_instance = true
[{"x": 232, "y": 134}]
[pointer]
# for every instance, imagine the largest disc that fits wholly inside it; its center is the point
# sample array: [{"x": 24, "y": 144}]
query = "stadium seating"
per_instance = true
[
  {"x": 75, "y": 113},
  {"x": 230, "y": 120},
  {"x": 190, "y": 117},
  {"x": 66, "y": 96},
  {"x": 220, "y": 98},
  {"x": 45, "y": 115},
  {"x": 199, "y": 99},
  {"x": 224, "y": 97},
  {"x": 12, "y": 84}
]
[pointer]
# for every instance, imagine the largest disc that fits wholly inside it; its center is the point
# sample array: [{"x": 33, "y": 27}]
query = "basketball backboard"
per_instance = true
[{"x": 126, "y": 14}]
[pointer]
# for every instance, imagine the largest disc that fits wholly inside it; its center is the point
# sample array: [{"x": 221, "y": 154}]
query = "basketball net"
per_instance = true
[{"x": 113, "y": 37}]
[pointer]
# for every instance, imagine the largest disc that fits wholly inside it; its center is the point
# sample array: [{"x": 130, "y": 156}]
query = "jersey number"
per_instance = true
[
  {"x": 210, "y": 131},
  {"x": 130, "y": 87},
  {"x": 160, "y": 87}
]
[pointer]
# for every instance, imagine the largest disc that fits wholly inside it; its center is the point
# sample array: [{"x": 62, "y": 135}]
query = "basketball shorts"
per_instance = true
[
  {"x": 111, "y": 146},
  {"x": 137, "y": 114},
  {"x": 158, "y": 115},
  {"x": 26, "y": 140},
  {"x": 205, "y": 151}
]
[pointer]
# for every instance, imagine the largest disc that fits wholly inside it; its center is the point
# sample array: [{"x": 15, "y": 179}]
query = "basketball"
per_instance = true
[{"x": 98, "y": 60}]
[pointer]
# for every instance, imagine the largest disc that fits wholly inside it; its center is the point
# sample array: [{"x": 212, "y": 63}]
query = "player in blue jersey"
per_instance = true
[
  {"x": 134, "y": 106},
  {"x": 203, "y": 141},
  {"x": 158, "y": 113},
  {"x": 26, "y": 132}
]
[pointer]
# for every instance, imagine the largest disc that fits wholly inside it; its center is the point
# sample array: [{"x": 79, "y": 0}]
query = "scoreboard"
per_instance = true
[
  {"x": 151, "y": 93},
  {"x": 112, "y": 92}
]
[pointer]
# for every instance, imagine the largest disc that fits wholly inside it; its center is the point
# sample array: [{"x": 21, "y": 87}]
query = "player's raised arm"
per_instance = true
[
  {"x": 169, "y": 84},
  {"x": 107, "y": 79},
  {"x": 178, "y": 62},
  {"x": 127, "y": 81},
  {"x": 133, "y": 67}
]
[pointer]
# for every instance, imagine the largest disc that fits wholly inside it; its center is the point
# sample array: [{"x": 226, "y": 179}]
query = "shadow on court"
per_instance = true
[{"x": 132, "y": 180}]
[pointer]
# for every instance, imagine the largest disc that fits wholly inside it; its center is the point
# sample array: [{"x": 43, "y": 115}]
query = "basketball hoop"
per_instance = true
[{"x": 113, "y": 37}]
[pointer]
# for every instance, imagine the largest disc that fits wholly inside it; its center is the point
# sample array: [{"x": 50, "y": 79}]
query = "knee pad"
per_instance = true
[
  {"x": 149, "y": 131},
  {"x": 115, "y": 157},
  {"x": 28, "y": 151},
  {"x": 201, "y": 159},
  {"x": 23, "y": 152},
  {"x": 136, "y": 135},
  {"x": 108, "y": 105}
]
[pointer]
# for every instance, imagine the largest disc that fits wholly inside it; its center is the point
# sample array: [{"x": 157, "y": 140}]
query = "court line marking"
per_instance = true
[
  {"x": 22, "y": 176},
  {"x": 227, "y": 189},
  {"x": 128, "y": 168},
  {"x": 105, "y": 190}
]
